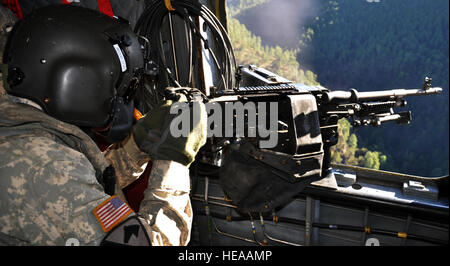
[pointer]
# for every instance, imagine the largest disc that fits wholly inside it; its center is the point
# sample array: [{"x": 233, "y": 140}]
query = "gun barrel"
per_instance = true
[{"x": 355, "y": 96}]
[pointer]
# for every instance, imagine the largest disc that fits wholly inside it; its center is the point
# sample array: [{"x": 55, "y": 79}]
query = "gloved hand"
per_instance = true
[{"x": 153, "y": 135}]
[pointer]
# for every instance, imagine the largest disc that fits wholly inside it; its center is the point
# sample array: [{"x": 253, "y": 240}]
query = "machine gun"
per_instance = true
[{"x": 258, "y": 176}]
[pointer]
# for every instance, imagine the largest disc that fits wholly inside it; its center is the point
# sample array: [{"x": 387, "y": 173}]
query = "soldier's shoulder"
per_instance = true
[
  {"x": 50, "y": 188},
  {"x": 35, "y": 152},
  {"x": 43, "y": 166}
]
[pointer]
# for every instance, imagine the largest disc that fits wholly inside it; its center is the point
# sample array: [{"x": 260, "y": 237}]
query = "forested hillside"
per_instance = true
[
  {"x": 373, "y": 46},
  {"x": 235, "y": 7},
  {"x": 249, "y": 50}
]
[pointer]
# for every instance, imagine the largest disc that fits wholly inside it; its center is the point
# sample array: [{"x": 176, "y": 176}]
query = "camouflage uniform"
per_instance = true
[{"x": 50, "y": 175}]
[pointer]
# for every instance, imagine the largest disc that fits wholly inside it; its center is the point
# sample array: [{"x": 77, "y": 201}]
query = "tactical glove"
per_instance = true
[{"x": 154, "y": 134}]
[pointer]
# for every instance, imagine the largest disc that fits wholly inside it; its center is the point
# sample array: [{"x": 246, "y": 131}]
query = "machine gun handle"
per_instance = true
[{"x": 340, "y": 96}]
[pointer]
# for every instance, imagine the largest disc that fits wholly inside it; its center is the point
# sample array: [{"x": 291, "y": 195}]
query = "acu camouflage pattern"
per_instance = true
[
  {"x": 50, "y": 183},
  {"x": 166, "y": 206},
  {"x": 128, "y": 161}
]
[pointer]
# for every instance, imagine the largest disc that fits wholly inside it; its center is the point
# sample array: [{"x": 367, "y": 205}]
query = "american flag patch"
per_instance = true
[{"x": 111, "y": 212}]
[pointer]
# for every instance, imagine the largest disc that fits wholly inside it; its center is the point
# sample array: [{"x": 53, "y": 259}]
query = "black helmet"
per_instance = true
[{"x": 78, "y": 64}]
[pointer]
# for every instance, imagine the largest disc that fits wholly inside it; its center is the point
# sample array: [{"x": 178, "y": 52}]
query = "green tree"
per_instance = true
[
  {"x": 346, "y": 151},
  {"x": 372, "y": 160},
  {"x": 353, "y": 141}
]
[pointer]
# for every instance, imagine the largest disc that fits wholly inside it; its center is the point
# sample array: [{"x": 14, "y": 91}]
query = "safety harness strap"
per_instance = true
[
  {"x": 104, "y": 6},
  {"x": 14, "y": 6}
]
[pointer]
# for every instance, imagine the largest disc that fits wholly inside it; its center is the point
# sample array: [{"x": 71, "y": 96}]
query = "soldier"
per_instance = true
[{"x": 71, "y": 74}]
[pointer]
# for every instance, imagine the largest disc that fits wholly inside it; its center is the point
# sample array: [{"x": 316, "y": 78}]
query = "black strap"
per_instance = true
[{"x": 109, "y": 180}]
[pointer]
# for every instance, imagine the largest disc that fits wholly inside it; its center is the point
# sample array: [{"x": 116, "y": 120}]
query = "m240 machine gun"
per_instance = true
[{"x": 285, "y": 135}]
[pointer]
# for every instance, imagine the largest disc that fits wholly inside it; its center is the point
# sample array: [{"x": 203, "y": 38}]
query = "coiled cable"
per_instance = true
[{"x": 150, "y": 25}]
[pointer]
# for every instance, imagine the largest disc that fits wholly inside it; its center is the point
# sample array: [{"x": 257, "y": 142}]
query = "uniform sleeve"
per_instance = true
[
  {"x": 49, "y": 191},
  {"x": 128, "y": 161},
  {"x": 166, "y": 207}
]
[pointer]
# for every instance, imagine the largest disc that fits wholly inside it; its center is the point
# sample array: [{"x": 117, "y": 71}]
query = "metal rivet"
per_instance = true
[
  {"x": 43, "y": 61},
  {"x": 46, "y": 100}
]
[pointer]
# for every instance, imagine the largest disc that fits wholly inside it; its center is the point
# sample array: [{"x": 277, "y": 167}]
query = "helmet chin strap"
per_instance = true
[
  {"x": 123, "y": 114},
  {"x": 121, "y": 123}
]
